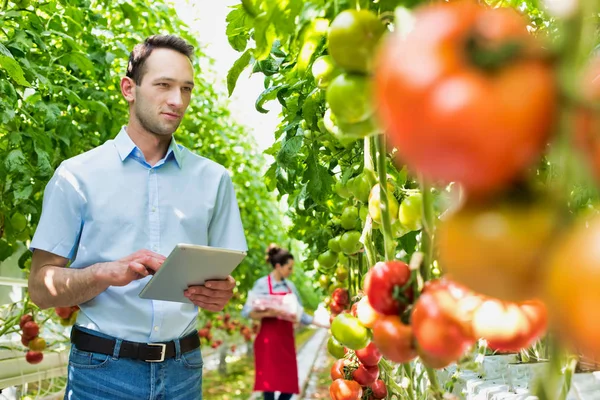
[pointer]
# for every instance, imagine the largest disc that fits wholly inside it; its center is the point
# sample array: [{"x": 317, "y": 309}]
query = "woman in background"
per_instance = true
[{"x": 276, "y": 368}]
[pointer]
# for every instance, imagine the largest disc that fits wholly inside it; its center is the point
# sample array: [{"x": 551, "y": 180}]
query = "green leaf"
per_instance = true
[
  {"x": 5, "y": 52},
  {"x": 264, "y": 36},
  {"x": 15, "y": 160},
  {"x": 249, "y": 7},
  {"x": 80, "y": 61},
  {"x": 238, "y": 27},
  {"x": 23, "y": 194},
  {"x": 268, "y": 66},
  {"x": 6, "y": 249},
  {"x": 311, "y": 108},
  {"x": 269, "y": 94},
  {"x": 238, "y": 67},
  {"x": 288, "y": 153},
  {"x": 319, "y": 179},
  {"x": 14, "y": 70},
  {"x": 274, "y": 149},
  {"x": 270, "y": 178}
]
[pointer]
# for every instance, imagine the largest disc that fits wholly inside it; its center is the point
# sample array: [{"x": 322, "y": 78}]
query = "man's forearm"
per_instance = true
[{"x": 54, "y": 286}]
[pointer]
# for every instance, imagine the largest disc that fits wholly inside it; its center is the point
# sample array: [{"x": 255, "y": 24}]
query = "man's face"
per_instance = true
[{"x": 165, "y": 91}]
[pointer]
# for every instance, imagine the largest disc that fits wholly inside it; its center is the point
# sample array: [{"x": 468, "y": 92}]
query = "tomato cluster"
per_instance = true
[{"x": 30, "y": 338}]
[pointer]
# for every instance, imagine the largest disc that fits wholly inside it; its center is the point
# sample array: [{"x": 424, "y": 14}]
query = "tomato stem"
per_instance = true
[
  {"x": 434, "y": 384},
  {"x": 427, "y": 245},
  {"x": 388, "y": 238}
]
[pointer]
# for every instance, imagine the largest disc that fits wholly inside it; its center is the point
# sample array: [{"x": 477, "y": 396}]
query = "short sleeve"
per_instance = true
[
  {"x": 60, "y": 223},
  {"x": 225, "y": 229}
]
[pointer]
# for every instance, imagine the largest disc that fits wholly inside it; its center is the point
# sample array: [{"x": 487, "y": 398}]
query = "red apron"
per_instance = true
[{"x": 275, "y": 365}]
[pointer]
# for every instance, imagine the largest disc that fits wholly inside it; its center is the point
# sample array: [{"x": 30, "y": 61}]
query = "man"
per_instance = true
[{"x": 114, "y": 212}]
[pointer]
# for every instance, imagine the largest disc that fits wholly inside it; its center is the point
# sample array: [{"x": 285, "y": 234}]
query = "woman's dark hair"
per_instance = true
[
  {"x": 277, "y": 255},
  {"x": 141, "y": 52}
]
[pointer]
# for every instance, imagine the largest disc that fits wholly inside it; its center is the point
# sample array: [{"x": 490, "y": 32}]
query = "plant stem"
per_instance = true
[
  {"x": 386, "y": 222},
  {"x": 427, "y": 245},
  {"x": 434, "y": 384}
]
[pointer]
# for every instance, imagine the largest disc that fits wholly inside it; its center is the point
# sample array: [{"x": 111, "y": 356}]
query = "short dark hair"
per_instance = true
[
  {"x": 137, "y": 59},
  {"x": 277, "y": 255}
]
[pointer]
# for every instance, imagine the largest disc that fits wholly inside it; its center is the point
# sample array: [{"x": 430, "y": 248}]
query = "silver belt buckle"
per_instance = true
[{"x": 163, "y": 348}]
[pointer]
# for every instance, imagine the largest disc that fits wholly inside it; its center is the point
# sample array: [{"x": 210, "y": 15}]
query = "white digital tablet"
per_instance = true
[{"x": 190, "y": 265}]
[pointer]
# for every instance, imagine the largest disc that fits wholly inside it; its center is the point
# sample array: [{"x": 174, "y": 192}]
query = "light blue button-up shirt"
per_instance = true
[
  {"x": 108, "y": 203},
  {"x": 261, "y": 286}
]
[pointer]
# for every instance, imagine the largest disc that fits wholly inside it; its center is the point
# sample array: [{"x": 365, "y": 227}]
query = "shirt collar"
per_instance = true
[
  {"x": 125, "y": 147},
  {"x": 282, "y": 281}
]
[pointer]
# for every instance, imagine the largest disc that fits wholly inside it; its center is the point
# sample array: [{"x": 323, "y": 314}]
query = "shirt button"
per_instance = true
[
  {"x": 153, "y": 209},
  {"x": 156, "y": 329}
]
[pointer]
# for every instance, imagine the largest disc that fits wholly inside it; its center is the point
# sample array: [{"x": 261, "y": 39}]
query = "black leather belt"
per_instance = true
[{"x": 149, "y": 352}]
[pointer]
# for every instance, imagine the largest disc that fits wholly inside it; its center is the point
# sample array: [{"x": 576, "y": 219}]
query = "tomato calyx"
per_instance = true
[{"x": 492, "y": 58}]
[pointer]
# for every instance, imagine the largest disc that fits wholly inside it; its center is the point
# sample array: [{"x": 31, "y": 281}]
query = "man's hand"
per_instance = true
[
  {"x": 213, "y": 295},
  {"x": 135, "y": 266}
]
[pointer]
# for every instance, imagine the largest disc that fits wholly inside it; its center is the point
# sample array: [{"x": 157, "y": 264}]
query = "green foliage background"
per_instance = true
[{"x": 60, "y": 66}]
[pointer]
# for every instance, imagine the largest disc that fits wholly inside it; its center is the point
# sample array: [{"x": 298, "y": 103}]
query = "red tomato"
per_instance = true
[
  {"x": 24, "y": 319},
  {"x": 381, "y": 283},
  {"x": 452, "y": 117},
  {"x": 340, "y": 296},
  {"x": 336, "y": 308},
  {"x": 510, "y": 326},
  {"x": 64, "y": 312},
  {"x": 34, "y": 357},
  {"x": 394, "y": 339},
  {"x": 369, "y": 356},
  {"x": 379, "y": 390},
  {"x": 31, "y": 329},
  {"x": 587, "y": 119},
  {"x": 337, "y": 369},
  {"x": 342, "y": 389},
  {"x": 365, "y": 375},
  {"x": 441, "y": 323}
]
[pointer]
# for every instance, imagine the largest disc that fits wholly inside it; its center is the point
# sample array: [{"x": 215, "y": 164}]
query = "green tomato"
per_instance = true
[
  {"x": 18, "y": 222},
  {"x": 357, "y": 130},
  {"x": 349, "y": 332},
  {"x": 324, "y": 281},
  {"x": 361, "y": 187},
  {"x": 342, "y": 190},
  {"x": 349, "y": 97},
  {"x": 327, "y": 259},
  {"x": 334, "y": 244},
  {"x": 350, "y": 242},
  {"x": 352, "y": 39},
  {"x": 375, "y": 203},
  {"x": 335, "y": 348},
  {"x": 362, "y": 213},
  {"x": 411, "y": 211},
  {"x": 341, "y": 273},
  {"x": 349, "y": 217},
  {"x": 324, "y": 70}
]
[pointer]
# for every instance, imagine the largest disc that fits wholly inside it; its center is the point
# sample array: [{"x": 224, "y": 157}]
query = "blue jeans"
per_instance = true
[{"x": 95, "y": 376}]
